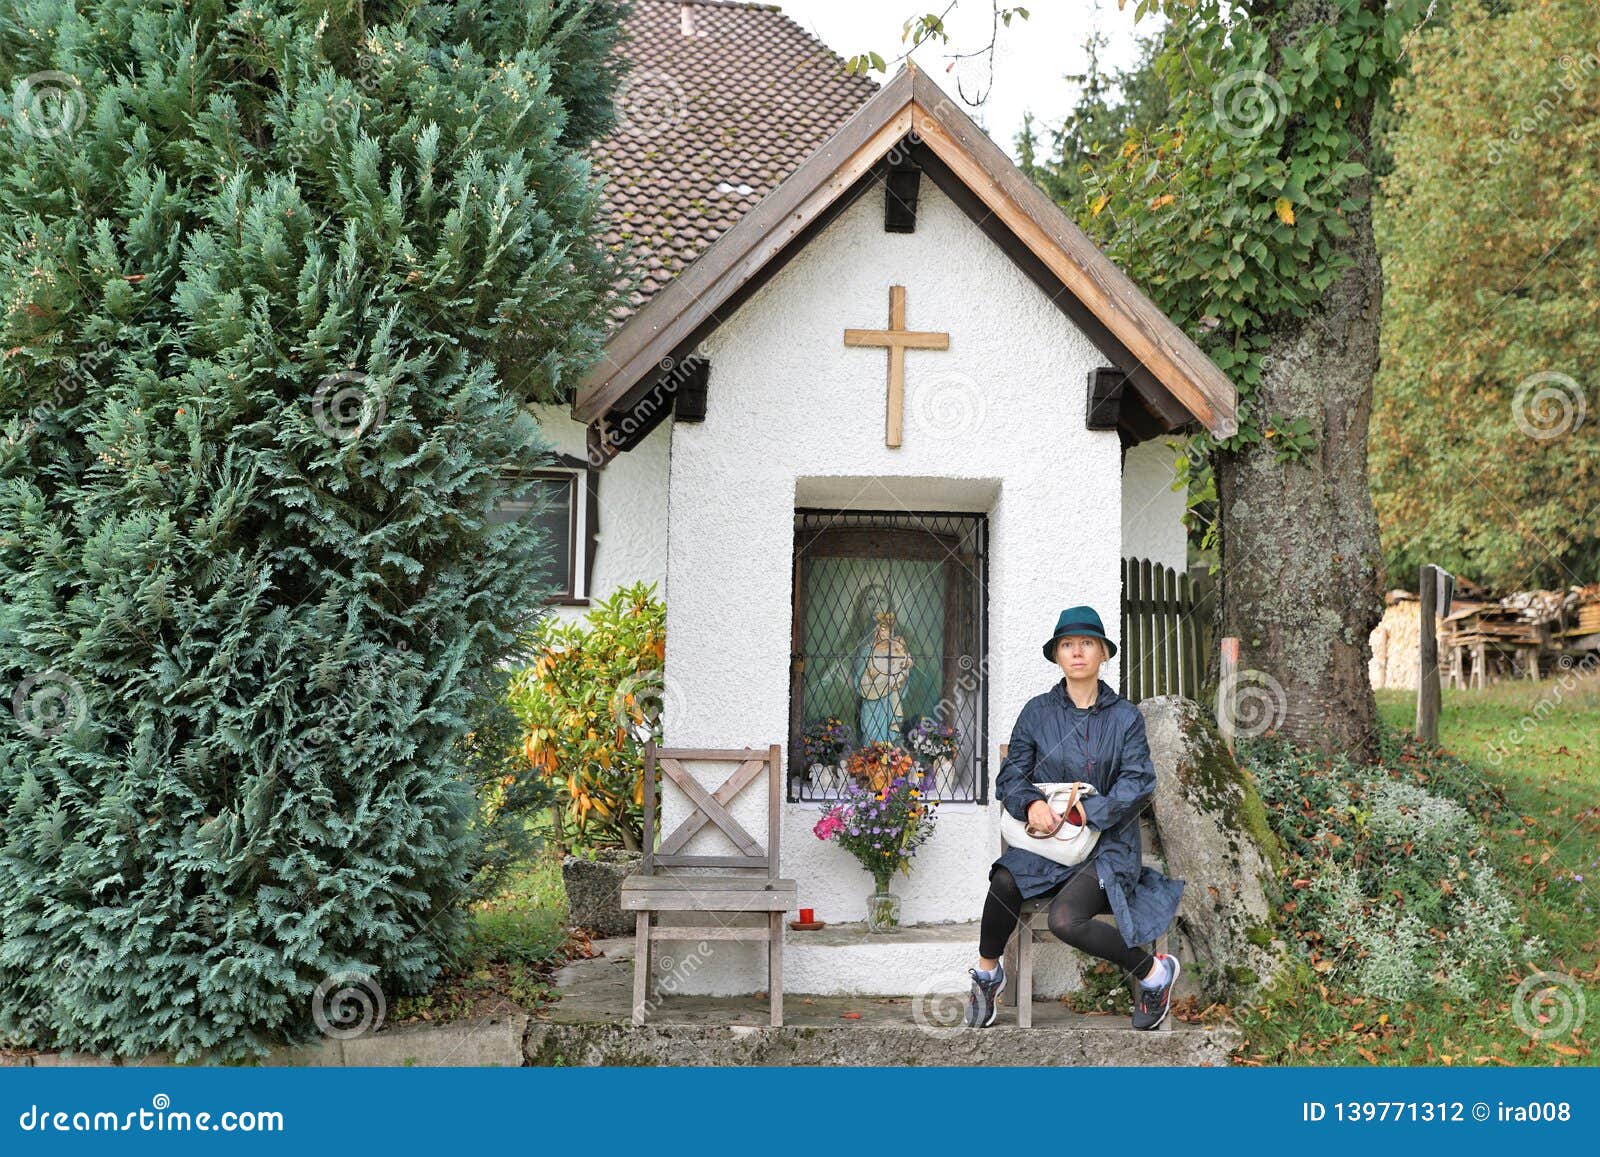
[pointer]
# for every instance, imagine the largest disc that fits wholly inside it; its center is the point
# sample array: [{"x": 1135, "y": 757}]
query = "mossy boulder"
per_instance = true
[{"x": 1213, "y": 834}]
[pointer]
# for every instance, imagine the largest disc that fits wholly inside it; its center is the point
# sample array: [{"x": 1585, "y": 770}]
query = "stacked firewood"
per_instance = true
[
  {"x": 1550, "y": 620},
  {"x": 1580, "y": 610},
  {"x": 1500, "y": 622}
]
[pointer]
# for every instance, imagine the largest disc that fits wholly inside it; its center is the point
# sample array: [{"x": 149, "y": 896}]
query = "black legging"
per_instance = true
[{"x": 1072, "y": 919}]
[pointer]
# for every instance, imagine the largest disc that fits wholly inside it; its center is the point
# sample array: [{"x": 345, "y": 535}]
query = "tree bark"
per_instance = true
[{"x": 1302, "y": 567}]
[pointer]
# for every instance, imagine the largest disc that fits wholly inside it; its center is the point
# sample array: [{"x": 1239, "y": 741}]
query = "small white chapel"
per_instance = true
[{"x": 869, "y": 370}]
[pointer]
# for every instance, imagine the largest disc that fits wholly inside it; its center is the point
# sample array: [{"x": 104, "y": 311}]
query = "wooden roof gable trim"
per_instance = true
[
  {"x": 910, "y": 104},
  {"x": 1149, "y": 334}
]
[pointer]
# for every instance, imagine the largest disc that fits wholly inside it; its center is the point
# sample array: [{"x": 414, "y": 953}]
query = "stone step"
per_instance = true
[
  {"x": 589, "y": 1025},
  {"x": 1042, "y": 1045}
]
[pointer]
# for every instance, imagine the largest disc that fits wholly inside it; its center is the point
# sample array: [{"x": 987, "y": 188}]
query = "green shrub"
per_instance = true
[
  {"x": 1390, "y": 884},
  {"x": 587, "y": 702},
  {"x": 278, "y": 281}
]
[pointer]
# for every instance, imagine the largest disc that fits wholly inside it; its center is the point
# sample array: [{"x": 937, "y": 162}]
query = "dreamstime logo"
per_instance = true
[
  {"x": 1195, "y": 451},
  {"x": 347, "y": 1004},
  {"x": 649, "y": 102},
  {"x": 1548, "y": 405},
  {"x": 673, "y": 972},
  {"x": 1254, "y": 701},
  {"x": 346, "y": 405},
  {"x": 320, "y": 133},
  {"x": 308, "y": 747},
  {"x": 948, "y": 406},
  {"x": 610, "y": 435},
  {"x": 1534, "y": 126},
  {"x": 49, "y": 704},
  {"x": 30, "y": 1027},
  {"x": 936, "y": 1011},
  {"x": 643, "y": 701},
  {"x": 1548, "y": 1005},
  {"x": 1248, "y": 103},
  {"x": 49, "y": 104},
  {"x": 1571, "y": 671}
]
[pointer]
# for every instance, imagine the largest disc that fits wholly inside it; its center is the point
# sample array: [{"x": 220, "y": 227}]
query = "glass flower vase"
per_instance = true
[{"x": 883, "y": 909}]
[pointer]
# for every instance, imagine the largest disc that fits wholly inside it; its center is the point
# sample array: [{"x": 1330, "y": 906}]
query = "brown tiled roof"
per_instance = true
[
  {"x": 723, "y": 101},
  {"x": 1172, "y": 378}
]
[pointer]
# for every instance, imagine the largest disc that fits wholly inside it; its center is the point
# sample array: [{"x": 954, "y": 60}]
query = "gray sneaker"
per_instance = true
[
  {"x": 1153, "y": 1004},
  {"x": 982, "y": 1004}
]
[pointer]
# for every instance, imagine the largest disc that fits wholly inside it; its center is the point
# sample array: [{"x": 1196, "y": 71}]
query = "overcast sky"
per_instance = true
[{"x": 1032, "y": 58}]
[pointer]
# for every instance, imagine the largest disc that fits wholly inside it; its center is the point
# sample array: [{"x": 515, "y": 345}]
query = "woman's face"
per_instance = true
[{"x": 1080, "y": 656}]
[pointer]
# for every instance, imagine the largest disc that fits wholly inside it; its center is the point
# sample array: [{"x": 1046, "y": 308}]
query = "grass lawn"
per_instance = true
[{"x": 1538, "y": 741}]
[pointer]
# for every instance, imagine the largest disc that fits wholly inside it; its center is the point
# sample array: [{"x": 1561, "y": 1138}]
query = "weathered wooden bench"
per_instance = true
[
  {"x": 1034, "y": 926},
  {"x": 647, "y": 892}
]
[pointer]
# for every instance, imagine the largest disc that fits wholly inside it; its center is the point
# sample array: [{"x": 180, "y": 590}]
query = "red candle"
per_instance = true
[{"x": 808, "y": 915}]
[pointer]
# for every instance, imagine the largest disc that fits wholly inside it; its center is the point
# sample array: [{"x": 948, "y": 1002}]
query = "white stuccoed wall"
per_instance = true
[
  {"x": 994, "y": 424},
  {"x": 1152, "y": 512},
  {"x": 633, "y": 508}
]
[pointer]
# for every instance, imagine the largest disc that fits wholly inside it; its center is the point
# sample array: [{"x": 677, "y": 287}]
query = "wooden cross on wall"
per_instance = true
[{"x": 896, "y": 339}]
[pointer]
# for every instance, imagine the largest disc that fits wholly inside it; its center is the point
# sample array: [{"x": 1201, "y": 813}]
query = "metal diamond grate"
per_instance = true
[{"x": 889, "y": 639}]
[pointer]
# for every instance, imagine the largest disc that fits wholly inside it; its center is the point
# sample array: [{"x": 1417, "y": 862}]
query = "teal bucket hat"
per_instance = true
[{"x": 1079, "y": 621}]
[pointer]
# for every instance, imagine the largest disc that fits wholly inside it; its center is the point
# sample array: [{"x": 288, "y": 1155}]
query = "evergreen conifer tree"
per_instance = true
[{"x": 276, "y": 281}]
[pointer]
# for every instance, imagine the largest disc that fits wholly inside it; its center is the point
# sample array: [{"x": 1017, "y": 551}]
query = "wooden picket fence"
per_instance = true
[{"x": 1166, "y": 630}]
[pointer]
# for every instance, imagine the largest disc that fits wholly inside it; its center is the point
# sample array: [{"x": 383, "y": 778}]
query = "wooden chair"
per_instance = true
[
  {"x": 1034, "y": 926},
  {"x": 647, "y": 892}
]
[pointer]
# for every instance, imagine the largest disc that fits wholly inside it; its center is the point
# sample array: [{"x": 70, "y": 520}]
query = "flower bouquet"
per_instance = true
[
  {"x": 882, "y": 829},
  {"x": 933, "y": 741},
  {"x": 825, "y": 742},
  {"x": 878, "y": 762}
]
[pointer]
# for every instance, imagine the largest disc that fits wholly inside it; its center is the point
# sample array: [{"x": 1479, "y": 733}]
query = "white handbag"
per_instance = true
[{"x": 1070, "y": 843}]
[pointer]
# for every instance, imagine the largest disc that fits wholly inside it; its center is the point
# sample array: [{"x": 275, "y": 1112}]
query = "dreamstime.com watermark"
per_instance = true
[
  {"x": 49, "y": 104},
  {"x": 48, "y": 704},
  {"x": 1254, "y": 701},
  {"x": 1573, "y": 70},
  {"x": 1571, "y": 670},
  {"x": 1548, "y": 405},
  {"x": 348, "y": 1004},
  {"x": 160, "y": 1117},
  {"x": 675, "y": 969},
  {"x": 1549, "y": 1005}
]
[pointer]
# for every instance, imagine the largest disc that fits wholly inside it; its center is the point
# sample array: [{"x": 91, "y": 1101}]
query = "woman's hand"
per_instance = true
[{"x": 1042, "y": 818}]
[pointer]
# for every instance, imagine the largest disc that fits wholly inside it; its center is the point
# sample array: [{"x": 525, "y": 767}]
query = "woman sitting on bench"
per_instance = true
[{"x": 1080, "y": 729}]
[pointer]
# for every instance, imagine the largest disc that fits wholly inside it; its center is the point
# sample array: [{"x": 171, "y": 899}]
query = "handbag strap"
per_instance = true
[{"x": 1072, "y": 800}]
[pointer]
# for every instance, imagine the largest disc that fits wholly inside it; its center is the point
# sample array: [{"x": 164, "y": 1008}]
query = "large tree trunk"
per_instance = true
[{"x": 1301, "y": 564}]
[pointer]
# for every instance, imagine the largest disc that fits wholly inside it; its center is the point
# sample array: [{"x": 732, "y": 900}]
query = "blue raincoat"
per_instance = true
[{"x": 1056, "y": 741}]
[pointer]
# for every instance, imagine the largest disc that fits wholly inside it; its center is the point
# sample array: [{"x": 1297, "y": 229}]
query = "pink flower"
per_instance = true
[{"x": 828, "y": 825}]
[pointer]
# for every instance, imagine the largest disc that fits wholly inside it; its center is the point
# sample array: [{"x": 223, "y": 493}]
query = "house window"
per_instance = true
[
  {"x": 563, "y": 501},
  {"x": 889, "y": 643}
]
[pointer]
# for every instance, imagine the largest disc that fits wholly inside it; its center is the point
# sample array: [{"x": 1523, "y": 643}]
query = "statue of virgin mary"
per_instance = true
[{"x": 882, "y": 666}]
